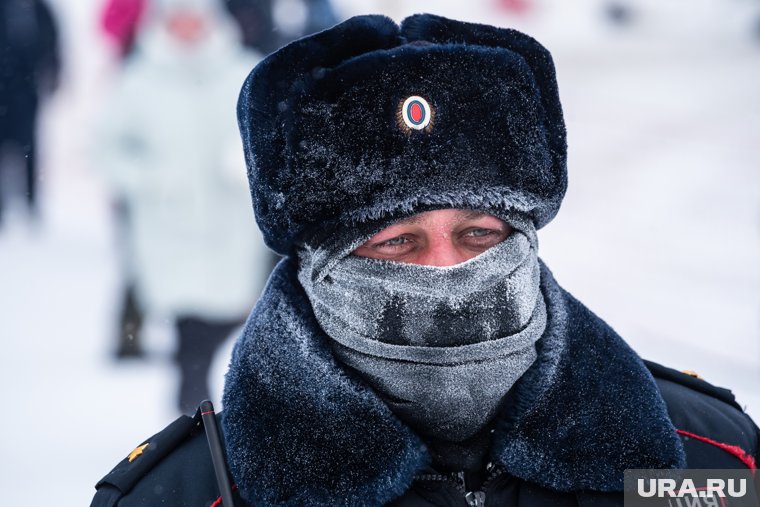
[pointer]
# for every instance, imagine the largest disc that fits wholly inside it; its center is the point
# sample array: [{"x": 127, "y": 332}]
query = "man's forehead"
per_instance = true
[{"x": 464, "y": 214}]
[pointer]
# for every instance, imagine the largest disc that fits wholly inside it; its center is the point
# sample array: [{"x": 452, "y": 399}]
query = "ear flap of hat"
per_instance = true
[
  {"x": 439, "y": 30},
  {"x": 283, "y": 77}
]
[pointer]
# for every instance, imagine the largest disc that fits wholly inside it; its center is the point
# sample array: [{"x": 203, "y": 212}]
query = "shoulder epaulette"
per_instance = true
[
  {"x": 692, "y": 381},
  {"x": 142, "y": 459}
]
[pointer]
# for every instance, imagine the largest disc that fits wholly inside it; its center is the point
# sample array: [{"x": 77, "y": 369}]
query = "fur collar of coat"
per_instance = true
[{"x": 300, "y": 430}]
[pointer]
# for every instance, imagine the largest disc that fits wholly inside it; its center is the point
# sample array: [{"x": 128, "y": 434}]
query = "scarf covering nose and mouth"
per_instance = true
[{"x": 440, "y": 345}]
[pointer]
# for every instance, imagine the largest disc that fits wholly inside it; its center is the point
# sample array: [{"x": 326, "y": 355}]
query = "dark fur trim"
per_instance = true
[
  {"x": 323, "y": 145},
  {"x": 588, "y": 411},
  {"x": 300, "y": 431}
]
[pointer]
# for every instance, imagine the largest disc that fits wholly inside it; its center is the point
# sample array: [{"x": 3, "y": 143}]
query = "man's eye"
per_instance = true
[
  {"x": 481, "y": 238},
  {"x": 398, "y": 241},
  {"x": 480, "y": 233},
  {"x": 393, "y": 248}
]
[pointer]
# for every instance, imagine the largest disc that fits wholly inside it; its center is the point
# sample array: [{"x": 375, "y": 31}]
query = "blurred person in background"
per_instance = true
[
  {"x": 168, "y": 146},
  {"x": 120, "y": 20},
  {"x": 412, "y": 349},
  {"x": 29, "y": 70},
  {"x": 270, "y": 24}
]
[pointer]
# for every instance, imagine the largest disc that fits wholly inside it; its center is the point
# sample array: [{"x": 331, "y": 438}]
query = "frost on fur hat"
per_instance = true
[{"x": 369, "y": 120}]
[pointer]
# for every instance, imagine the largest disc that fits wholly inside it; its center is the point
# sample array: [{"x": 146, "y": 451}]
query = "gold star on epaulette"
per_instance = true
[
  {"x": 137, "y": 452},
  {"x": 692, "y": 373}
]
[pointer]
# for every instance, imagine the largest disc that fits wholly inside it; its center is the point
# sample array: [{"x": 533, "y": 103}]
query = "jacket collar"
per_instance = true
[{"x": 300, "y": 430}]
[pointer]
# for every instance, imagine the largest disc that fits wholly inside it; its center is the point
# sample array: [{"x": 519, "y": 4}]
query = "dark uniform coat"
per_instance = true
[{"x": 588, "y": 409}]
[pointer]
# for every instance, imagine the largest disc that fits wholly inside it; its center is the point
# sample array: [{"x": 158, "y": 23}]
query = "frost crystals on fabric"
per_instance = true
[{"x": 440, "y": 345}]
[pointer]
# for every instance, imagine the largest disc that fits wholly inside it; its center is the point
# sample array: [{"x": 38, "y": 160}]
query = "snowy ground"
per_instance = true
[{"x": 658, "y": 234}]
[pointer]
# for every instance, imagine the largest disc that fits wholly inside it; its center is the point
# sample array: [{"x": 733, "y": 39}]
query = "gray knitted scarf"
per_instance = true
[{"x": 440, "y": 345}]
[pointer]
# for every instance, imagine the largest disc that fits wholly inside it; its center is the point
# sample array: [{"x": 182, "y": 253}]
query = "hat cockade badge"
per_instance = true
[{"x": 415, "y": 113}]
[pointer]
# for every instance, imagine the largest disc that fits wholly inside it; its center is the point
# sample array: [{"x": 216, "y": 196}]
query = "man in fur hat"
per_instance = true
[{"x": 412, "y": 349}]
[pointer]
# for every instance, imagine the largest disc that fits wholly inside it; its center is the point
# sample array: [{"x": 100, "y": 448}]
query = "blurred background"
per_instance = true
[{"x": 117, "y": 119}]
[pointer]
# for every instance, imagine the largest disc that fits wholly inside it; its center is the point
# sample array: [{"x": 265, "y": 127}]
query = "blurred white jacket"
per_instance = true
[{"x": 169, "y": 146}]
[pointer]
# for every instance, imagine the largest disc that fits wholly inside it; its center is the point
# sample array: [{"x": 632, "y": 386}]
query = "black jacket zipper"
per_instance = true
[{"x": 472, "y": 498}]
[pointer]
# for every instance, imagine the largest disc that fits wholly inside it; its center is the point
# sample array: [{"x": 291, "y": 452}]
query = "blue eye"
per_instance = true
[
  {"x": 479, "y": 233},
  {"x": 395, "y": 241}
]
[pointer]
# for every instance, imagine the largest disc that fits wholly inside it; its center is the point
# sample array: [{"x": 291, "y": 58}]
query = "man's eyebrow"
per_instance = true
[
  {"x": 474, "y": 214},
  {"x": 414, "y": 219}
]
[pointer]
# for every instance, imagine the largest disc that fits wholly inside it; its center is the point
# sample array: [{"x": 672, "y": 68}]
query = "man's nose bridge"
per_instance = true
[{"x": 441, "y": 251}]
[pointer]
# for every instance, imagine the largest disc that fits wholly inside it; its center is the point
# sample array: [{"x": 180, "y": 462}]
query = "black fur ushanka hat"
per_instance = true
[{"x": 370, "y": 120}]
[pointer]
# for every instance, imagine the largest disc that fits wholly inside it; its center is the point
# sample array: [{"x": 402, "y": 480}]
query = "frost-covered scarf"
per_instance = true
[
  {"x": 440, "y": 345},
  {"x": 300, "y": 432}
]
